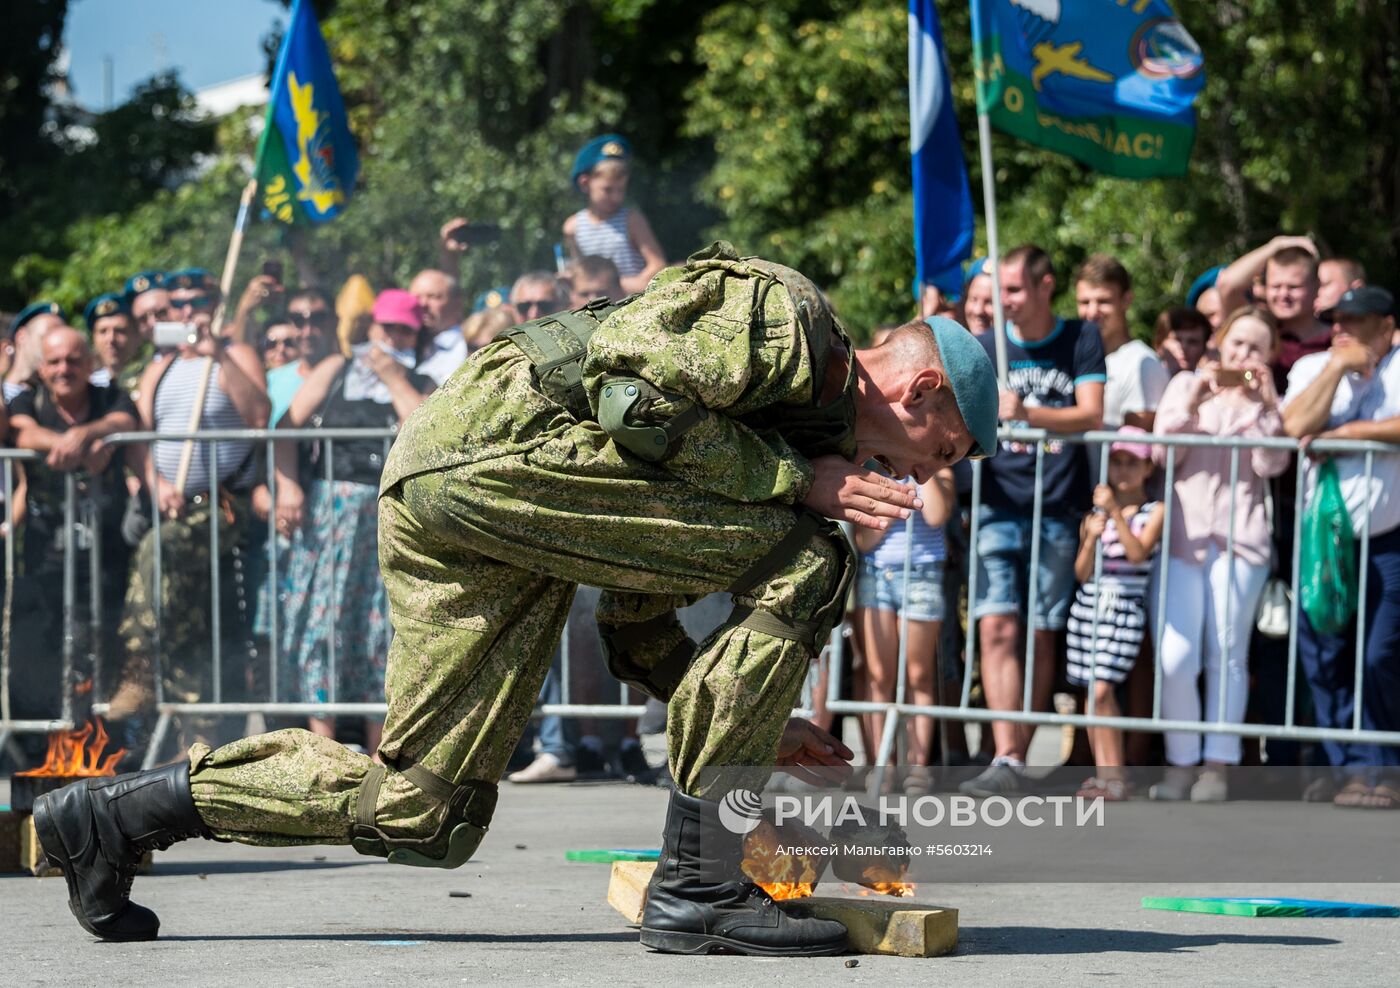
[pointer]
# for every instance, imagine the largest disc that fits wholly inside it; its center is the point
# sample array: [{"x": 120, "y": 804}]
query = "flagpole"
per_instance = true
[
  {"x": 989, "y": 195},
  {"x": 235, "y": 246}
]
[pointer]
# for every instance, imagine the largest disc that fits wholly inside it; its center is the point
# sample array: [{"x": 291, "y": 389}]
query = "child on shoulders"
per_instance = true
[{"x": 605, "y": 227}]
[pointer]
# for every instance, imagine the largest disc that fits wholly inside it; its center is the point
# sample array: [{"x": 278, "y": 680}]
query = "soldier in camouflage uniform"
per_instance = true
[{"x": 692, "y": 439}]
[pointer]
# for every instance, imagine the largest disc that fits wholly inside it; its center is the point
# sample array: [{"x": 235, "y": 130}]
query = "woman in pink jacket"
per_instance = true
[{"x": 1211, "y": 596}]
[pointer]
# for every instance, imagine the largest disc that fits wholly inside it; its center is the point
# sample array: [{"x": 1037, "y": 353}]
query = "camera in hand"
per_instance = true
[
  {"x": 476, "y": 234},
  {"x": 1230, "y": 377},
  {"x": 169, "y": 335}
]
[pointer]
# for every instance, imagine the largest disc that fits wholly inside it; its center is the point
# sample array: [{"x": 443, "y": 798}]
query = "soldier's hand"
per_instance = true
[
  {"x": 813, "y": 754},
  {"x": 845, "y": 492}
]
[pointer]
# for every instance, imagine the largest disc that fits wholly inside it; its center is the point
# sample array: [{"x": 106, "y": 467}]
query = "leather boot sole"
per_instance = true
[
  {"x": 670, "y": 942},
  {"x": 57, "y": 854}
]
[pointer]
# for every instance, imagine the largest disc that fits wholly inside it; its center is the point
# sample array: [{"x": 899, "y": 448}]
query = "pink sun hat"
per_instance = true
[
  {"x": 394, "y": 305},
  {"x": 1141, "y": 450}
]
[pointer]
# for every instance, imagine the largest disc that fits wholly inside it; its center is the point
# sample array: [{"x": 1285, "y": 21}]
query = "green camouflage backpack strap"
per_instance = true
[{"x": 556, "y": 344}]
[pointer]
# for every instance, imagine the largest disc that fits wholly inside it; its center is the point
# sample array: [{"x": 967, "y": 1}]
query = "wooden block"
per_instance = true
[
  {"x": 886, "y": 925},
  {"x": 876, "y": 925},
  {"x": 627, "y": 888}
]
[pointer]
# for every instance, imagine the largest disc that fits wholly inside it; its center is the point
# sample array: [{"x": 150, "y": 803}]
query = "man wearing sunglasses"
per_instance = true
[
  {"x": 701, "y": 438},
  {"x": 535, "y": 294}
]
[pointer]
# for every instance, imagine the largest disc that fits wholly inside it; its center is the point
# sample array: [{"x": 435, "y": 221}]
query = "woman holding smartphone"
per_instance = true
[
  {"x": 1213, "y": 592},
  {"x": 332, "y": 573}
]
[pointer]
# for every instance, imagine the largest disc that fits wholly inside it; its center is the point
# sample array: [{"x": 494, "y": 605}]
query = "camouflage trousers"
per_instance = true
[{"x": 481, "y": 561}]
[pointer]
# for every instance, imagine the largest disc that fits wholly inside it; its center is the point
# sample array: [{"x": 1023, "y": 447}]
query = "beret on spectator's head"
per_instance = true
[
  {"x": 600, "y": 149},
  {"x": 492, "y": 298},
  {"x": 106, "y": 304},
  {"x": 1368, "y": 300},
  {"x": 973, "y": 380},
  {"x": 1203, "y": 283},
  {"x": 142, "y": 282},
  {"x": 398, "y": 307},
  {"x": 190, "y": 278},
  {"x": 978, "y": 266},
  {"x": 33, "y": 310}
]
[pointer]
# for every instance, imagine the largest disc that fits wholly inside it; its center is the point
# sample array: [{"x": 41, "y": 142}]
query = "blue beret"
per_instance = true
[
  {"x": 978, "y": 266},
  {"x": 142, "y": 282},
  {"x": 1201, "y": 284},
  {"x": 974, "y": 382},
  {"x": 597, "y": 150},
  {"x": 106, "y": 304},
  {"x": 492, "y": 298},
  {"x": 35, "y": 309},
  {"x": 190, "y": 278}
]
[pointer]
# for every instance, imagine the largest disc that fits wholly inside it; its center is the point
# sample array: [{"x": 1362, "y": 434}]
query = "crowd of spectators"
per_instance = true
[{"x": 1276, "y": 343}]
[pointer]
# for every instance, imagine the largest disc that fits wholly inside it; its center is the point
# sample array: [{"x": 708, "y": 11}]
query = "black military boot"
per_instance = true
[
  {"x": 96, "y": 831},
  {"x": 694, "y": 906}
]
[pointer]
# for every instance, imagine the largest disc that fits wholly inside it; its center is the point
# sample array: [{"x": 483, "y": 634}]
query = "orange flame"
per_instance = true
[
  {"x": 77, "y": 753},
  {"x": 786, "y": 890},
  {"x": 879, "y": 882}
]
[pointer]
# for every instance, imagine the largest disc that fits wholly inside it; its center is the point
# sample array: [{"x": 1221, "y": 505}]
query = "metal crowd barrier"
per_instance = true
[
  {"x": 963, "y": 712},
  {"x": 276, "y": 703}
]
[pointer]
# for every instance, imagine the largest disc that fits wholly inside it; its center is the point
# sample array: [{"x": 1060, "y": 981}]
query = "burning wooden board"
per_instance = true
[{"x": 876, "y": 925}]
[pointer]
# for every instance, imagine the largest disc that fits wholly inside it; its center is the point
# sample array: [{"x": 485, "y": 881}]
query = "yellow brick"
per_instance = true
[{"x": 876, "y": 925}]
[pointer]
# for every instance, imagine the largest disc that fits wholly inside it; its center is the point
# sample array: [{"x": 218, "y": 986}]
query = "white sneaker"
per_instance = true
[
  {"x": 1175, "y": 786},
  {"x": 545, "y": 768}
]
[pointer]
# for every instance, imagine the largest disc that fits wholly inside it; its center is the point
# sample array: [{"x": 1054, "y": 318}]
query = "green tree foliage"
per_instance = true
[{"x": 783, "y": 126}]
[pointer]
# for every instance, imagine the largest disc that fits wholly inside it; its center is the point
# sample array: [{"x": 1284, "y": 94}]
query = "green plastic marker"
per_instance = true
[
  {"x": 609, "y": 855},
  {"x": 1270, "y": 907}
]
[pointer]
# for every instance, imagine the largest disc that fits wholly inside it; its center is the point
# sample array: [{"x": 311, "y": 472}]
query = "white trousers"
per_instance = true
[{"x": 1196, "y": 627}]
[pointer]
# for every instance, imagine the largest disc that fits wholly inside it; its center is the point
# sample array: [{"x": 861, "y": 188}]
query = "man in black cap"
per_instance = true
[{"x": 1352, "y": 391}]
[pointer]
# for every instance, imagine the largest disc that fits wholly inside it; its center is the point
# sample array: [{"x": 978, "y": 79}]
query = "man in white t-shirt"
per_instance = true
[
  {"x": 1103, "y": 290},
  {"x": 1352, "y": 391}
]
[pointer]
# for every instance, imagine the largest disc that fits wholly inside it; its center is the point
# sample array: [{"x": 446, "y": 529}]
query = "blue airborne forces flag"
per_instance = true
[
  {"x": 943, "y": 214},
  {"x": 1108, "y": 82},
  {"x": 306, "y": 163}
]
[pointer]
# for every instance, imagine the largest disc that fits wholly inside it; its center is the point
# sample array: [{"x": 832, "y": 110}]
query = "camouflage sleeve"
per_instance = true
[{"x": 698, "y": 338}]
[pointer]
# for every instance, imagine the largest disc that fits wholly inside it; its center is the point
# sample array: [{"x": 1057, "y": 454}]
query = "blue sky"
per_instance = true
[{"x": 208, "y": 41}]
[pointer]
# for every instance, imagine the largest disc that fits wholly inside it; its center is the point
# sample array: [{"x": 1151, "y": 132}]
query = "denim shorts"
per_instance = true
[
  {"x": 881, "y": 588},
  {"x": 1004, "y": 565}
]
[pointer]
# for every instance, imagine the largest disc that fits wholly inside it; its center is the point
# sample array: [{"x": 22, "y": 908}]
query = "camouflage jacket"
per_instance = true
[{"x": 718, "y": 331}]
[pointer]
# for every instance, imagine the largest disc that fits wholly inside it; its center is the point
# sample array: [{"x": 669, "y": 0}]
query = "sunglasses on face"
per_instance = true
[
  {"x": 533, "y": 308},
  {"x": 281, "y": 342},
  {"x": 319, "y": 320},
  {"x": 193, "y": 302}
]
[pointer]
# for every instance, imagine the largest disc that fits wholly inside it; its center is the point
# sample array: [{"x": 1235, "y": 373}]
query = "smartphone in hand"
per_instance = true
[{"x": 476, "y": 234}]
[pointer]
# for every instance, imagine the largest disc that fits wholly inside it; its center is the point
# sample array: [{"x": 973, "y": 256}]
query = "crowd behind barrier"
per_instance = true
[{"x": 192, "y": 536}]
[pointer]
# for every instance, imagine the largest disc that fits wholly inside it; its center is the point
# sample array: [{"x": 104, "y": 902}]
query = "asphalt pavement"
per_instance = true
[{"x": 234, "y": 915}]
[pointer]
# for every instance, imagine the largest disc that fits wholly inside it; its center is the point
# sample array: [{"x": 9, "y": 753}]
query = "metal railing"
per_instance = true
[
  {"x": 277, "y": 702},
  {"x": 964, "y": 712}
]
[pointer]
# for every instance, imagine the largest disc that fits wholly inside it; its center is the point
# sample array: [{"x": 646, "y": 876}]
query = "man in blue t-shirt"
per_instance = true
[{"x": 1055, "y": 381}]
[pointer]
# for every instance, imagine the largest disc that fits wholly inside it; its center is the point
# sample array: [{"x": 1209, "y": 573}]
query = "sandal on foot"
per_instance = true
[{"x": 1353, "y": 794}]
